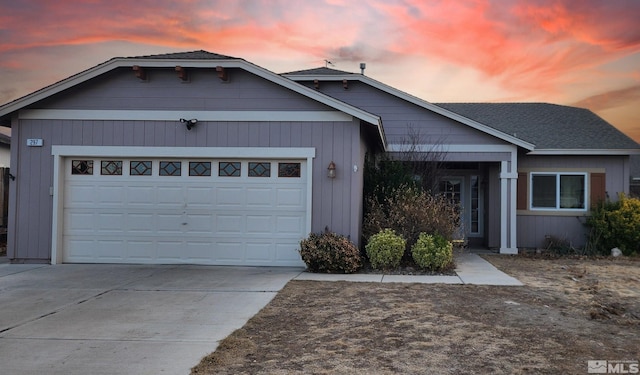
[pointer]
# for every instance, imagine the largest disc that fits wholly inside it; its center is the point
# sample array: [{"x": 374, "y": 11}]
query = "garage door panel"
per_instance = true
[
  {"x": 80, "y": 195},
  {"x": 110, "y": 222},
  {"x": 259, "y": 252},
  {"x": 141, "y": 223},
  {"x": 200, "y": 197},
  {"x": 287, "y": 252},
  {"x": 79, "y": 250},
  {"x": 230, "y": 197},
  {"x": 229, "y": 252},
  {"x": 169, "y": 251},
  {"x": 184, "y": 219},
  {"x": 202, "y": 223},
  {"x": 142, "y": 196},
  {"x": 110, "y": 196},
  {"x": 290, "y": 197},
  {"x": 260, "y": 197},
  {"x": 259, "y": 224},
  {"x": 229, "y": 224},
  {"x": 292, "y": 224},
  {"x": 170, "y": 196},
  {"x": 79, "y": 222},
  {"x": 170, "y": 223},
  {"x": 198, "y": 250},
  {"x": 141, "y": 251},
  {"x": 110, "y": 250}
]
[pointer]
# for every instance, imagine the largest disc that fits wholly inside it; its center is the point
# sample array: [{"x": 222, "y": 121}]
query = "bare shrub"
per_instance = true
[
  {"x": 410, "y": 211},
  {"x": 330, "y": 253}
]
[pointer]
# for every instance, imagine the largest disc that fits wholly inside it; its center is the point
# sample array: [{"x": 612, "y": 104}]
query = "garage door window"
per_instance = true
[
  {"x": 229, "y": 169},
  {"x": 82, "y": 167},
  {"x": 288, "y": 169},
  {"x": 199, "y": 168},
  {"x": 140, "y": 168},
  {"x": 111, "y": 167},
  {"x": 170, "y": 168},
  {"x": 259, "y": 169}
]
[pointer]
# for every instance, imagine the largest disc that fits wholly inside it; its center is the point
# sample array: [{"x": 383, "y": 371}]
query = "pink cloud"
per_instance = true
[{"x": 530, "y": 48}]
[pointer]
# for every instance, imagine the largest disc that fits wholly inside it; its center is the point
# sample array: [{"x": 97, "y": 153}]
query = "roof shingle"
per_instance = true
[
  {"x": 193, "y": 55},
  {"x": 547, "y": 126}
]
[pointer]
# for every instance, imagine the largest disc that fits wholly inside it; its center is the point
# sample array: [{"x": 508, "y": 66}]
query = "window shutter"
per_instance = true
[
  {"x": 598, "y": 188},
  {"x": 521, "y": 203}
]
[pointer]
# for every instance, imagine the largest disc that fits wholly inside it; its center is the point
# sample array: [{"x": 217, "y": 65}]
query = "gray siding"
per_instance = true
[
  {"x": 532, "y": 229},
  {"x": 399, "y": 115},
  {"x": 120, "y": 89},
  {"x": 336, "y": 203}
]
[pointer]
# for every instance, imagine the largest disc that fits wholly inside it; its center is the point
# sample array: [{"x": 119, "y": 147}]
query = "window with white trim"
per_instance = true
[{"x": 558, "y": 191}]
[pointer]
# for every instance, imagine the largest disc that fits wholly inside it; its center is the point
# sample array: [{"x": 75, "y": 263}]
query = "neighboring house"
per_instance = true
[{"x": 202, "y": 158}]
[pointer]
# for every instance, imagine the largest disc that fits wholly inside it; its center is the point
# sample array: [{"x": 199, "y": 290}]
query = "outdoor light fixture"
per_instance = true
[
  {"x": 190, "y": 123},
  {"x": 331, "y": 170}
]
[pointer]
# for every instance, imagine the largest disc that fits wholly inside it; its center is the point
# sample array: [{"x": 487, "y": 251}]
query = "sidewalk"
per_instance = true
[{"x": 471, "y": 269}]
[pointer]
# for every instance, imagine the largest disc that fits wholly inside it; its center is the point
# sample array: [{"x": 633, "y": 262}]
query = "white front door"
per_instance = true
[
  {"x": 466, "y": 192},
  {"x": 453, "y": 190}
]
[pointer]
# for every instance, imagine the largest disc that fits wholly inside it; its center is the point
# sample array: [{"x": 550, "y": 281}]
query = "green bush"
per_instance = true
[
  {"x": 616, "y": 224},
  {"x": 410, "y": 211},
  {"x": 385, "y": 249},
  {"x": 432, "y": 251},
  {"x": 330, "y": 253}
]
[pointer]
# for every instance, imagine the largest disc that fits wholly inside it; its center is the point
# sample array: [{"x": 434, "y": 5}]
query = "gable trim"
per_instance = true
[
  {"x": 150, "y": 115},
  {"x": 417, "y": 101},
  {"x": 120, "y": 62}
]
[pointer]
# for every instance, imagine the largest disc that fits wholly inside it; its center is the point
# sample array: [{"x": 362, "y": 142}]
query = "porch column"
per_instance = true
[{"x": 508, "y": 196}]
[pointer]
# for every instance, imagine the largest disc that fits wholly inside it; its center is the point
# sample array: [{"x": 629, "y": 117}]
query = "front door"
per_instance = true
[
  {"x": 466, "y": 192},
  {"x": 453, "y": 189}
]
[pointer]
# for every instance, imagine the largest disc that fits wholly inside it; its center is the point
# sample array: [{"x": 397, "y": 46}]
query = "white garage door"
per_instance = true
[{"x": 197, "y": 211}]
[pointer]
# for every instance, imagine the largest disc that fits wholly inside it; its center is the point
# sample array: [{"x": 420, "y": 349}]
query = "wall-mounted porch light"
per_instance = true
[
  {"x": 190, "y": 123},
  {"x": 331, "y": 170}
]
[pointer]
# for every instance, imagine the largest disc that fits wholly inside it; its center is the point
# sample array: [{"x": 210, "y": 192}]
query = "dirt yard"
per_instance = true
[{"x": 568, "y": 312}]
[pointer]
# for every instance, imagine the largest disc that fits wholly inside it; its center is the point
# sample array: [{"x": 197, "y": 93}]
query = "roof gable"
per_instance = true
[
  {"x": 326, "y": 74},
  {"x": 195, "y": 59}
]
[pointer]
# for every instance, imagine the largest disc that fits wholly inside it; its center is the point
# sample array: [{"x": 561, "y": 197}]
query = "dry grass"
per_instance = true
[{"x": 569, "y": 311}]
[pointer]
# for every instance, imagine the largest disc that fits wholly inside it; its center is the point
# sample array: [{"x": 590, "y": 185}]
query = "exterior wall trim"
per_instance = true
[
  {"x": 566, "y": 152},
  {"x": 150, "y": 115},
  {"x": 397, "y": 147},
  {"x": 61, "y": 152}
]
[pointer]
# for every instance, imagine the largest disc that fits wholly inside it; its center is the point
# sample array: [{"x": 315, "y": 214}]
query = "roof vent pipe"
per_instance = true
[{"x": 363, "y": 66}]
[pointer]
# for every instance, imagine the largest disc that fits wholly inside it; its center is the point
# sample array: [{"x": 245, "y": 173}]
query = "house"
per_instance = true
[{"x": 202, "y": 158}]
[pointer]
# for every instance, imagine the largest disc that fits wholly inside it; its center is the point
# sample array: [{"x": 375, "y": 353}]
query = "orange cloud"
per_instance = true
[
  {"x": 611, "y": 99},
  {"x": 530, "y": 48}
]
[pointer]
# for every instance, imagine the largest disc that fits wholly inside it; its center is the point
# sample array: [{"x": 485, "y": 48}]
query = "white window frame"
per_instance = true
[{"x": 557, "y": 176}]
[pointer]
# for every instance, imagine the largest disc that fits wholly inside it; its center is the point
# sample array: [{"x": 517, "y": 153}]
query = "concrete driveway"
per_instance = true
[{"x": 124, "y": 319}]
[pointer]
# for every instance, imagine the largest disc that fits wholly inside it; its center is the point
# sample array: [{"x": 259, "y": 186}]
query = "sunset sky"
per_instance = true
[{"x": 584, "y": 53}]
